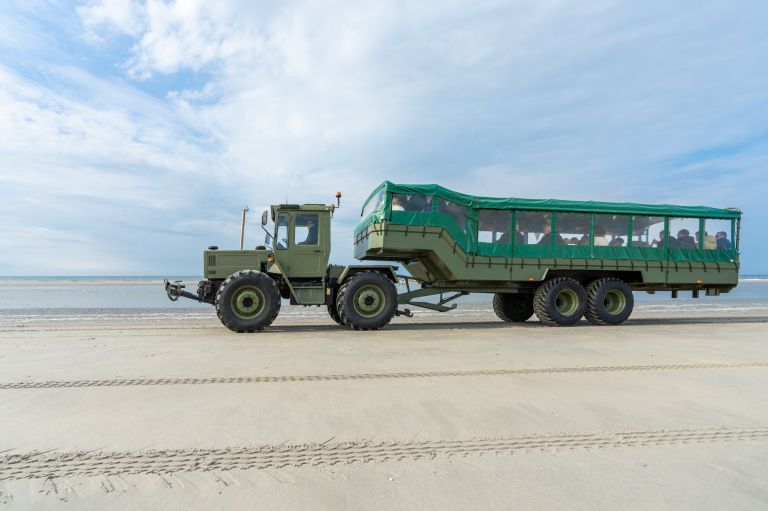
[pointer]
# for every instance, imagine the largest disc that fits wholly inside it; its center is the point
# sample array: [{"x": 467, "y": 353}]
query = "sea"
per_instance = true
[{"x": 24, "y": 299}]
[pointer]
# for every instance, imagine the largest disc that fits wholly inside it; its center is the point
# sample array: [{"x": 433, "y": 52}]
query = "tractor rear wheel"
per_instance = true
[
  {"x": 247, "y": 301},
  {"x": 609, "y": 302},
  {"x": 334, "y": 314},
  {"x": 559, "y": 302},
  {"x": 513, "y": 307},
  {"x": 366, "y": 301}
]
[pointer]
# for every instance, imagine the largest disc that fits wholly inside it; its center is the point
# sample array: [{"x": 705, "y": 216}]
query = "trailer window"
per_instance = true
[
  {"x": 533, "y": 228},
  {"x": 373, "y": 203},
  {"x": 718, "y": 234},
  {"x": 456, "y": 211},
  {"x": 613, "y": 229},
  {"x": 572, "y": 228},
  {"x": 411, "y": 202},
  {"x": 494, "y": 226},
  {"x": 281, "y": 234},
  {"x": 647, "y": 231},
  {"x": 682, "y": 232},
  {"x": 305, "y": 232}
]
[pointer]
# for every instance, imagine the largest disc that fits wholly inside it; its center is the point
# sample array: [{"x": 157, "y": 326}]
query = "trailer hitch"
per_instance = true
[{"x": 175, "y": 289}]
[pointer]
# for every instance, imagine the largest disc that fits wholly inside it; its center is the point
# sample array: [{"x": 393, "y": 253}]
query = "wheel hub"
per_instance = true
[
  {"x": 247, "y": 302},
  {"x": 614, "y": 301},
  {"x": 369, "y": 301},
  {"x": 567, "y": 302}
]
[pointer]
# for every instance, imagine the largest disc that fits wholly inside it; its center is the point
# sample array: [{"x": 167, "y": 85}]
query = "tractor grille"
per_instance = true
[{"x": 211, "y": 260}]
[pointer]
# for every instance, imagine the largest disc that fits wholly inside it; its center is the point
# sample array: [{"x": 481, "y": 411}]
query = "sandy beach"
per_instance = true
[{"x": 453, "y": 411}]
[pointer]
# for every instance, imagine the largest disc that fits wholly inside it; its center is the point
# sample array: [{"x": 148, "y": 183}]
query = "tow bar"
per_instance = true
[{"x": 175, "y": 289}]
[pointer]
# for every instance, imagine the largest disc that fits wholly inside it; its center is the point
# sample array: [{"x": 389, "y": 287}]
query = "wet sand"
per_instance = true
[{"x": 453, "y": 411}]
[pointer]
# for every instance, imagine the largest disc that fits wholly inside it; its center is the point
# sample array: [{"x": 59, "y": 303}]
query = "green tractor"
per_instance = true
[{"x": 246, "y": 286}]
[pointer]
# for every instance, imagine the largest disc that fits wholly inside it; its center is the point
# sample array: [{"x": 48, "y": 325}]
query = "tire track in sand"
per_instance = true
[
  {"x": 36, "y": 465},
  {"x": 137, "y": 382}
]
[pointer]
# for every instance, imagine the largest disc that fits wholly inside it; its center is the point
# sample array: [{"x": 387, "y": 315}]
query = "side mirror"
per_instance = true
[{"x": 264, "y": 218}]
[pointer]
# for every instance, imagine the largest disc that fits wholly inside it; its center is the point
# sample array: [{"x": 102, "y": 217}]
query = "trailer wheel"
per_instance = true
[
  {"x": 559, "y": 302},
  {"x": 247, "y": 301},
  {"x": 366, "y": 301},
  {"x": 513, "y": 307},
  {"x": 334, "y": 314},
  {"x": 609, "y": 302}
]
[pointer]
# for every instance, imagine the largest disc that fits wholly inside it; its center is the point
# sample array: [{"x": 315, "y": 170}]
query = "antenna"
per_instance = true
[{"x": 242, "y": 227}]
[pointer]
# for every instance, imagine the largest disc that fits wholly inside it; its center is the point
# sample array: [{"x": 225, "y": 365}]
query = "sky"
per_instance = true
[{"x": 133, "y": 132}]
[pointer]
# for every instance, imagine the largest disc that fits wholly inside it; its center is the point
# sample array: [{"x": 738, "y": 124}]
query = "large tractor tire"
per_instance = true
[
  {"x": 366, "y": 301},
  {"x": 247, "y": 301},
  {"x": 334, "y": 314},
  {"x": 609, "y": 302},
  {"x": 559, "y": 302},
  {"x": 513, "y": 308}
]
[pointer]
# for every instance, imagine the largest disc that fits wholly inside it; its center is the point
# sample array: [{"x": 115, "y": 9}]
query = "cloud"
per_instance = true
[{"x": 169, "y": 116}]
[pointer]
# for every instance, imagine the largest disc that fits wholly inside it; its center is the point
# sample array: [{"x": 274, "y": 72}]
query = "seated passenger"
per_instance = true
[
  {"x": 616, "y": 242},
  {"x": 397, "y": 205},
  {"x": 573, "y": 241},
  {"x": 600, "y": 239},
  {"x": 685, "y": 240},
  {"x": 546, "y": 237},
  {"x": 723, "y": 243},
  {"x": 660, "y": 242}
]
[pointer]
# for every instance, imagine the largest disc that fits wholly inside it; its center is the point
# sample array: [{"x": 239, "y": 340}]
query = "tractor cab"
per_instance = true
[{"x": 302, "y": 239}]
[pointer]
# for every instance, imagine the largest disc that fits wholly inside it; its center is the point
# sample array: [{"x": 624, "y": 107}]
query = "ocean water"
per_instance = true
[{"x": 145, "y": 296}]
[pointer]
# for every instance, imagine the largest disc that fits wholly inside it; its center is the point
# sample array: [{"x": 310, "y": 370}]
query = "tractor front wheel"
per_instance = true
[{"x": 247, "y": 301}]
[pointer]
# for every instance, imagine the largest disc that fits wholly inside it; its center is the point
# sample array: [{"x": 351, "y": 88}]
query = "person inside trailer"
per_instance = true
[
  {"x": 616, "y": 242},
  {"x": 396, "y": 204},
  {"x": 672, "y": 242},
  {"x": 600, "y": 239},
  {"x": 685, "y": 240},
  {"x": 723, "y": 243}
]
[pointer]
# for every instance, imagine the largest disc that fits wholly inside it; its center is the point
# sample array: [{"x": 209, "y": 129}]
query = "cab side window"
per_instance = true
[
  {"x": 281, "y": 235},
  {"x": 306, "y": 232}
]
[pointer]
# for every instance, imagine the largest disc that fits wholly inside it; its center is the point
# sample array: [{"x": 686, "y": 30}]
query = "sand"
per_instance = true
[{"x": 457, "y": 411}]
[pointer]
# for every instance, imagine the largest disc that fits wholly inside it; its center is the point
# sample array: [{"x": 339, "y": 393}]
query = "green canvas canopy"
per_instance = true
[{"x": 627, "y": 208}]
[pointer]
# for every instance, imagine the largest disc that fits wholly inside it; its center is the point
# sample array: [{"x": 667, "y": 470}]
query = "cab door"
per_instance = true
[{"x": 309, "y": 244}]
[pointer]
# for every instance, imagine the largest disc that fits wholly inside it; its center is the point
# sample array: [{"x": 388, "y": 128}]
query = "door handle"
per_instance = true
[{"x": 318, "y": 251}]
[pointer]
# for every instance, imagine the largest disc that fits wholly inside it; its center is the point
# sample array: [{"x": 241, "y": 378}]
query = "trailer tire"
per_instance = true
[
  {"x": 247, "y": 301},
  {"x": 609, "y": 302},
  {"x": 559, "y": 302},
  {"x": 513, "y": 308},
  {"x": 366, "y": 301}
]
